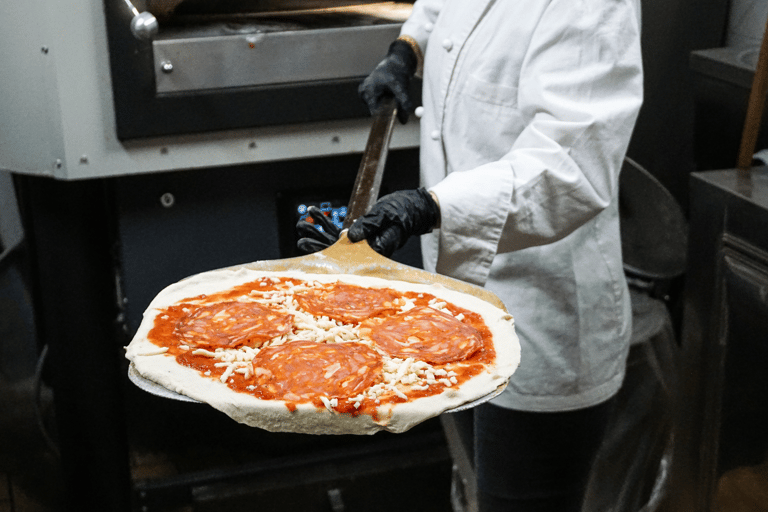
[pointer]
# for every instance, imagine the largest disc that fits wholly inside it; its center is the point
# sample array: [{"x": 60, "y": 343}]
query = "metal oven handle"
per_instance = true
[{"x": 144, "y": 25}]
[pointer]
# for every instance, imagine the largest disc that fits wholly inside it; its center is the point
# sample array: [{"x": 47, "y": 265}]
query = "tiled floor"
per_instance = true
[
  {"x": 6, "y": 505},
  {"x": 14, "y": 498},
  {"x": 30, "y": 480}
]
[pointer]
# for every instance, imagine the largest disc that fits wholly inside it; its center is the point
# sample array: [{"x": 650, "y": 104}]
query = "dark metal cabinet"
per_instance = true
[{"x": 721, "y": 449}]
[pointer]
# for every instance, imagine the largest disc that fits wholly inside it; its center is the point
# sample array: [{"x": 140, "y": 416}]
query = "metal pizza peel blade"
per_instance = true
[
  {"x": 154, "y": 388},
  {"x": 345, "y": 257}
]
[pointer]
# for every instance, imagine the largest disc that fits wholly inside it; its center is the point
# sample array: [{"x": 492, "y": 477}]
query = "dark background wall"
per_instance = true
[{"x": 663, "y": 141}]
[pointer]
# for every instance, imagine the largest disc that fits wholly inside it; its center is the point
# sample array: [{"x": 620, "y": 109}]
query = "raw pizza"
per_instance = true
[{"x": 323, "y": 354}]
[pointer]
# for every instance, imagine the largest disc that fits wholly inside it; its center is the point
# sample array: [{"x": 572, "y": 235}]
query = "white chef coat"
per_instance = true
[{"x": 529, "y": 106}]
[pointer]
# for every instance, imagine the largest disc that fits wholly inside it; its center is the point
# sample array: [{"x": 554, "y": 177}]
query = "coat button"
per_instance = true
[
  {"x": 447, "y": 44},
  {"x": 435, "y": 135},
  {"x": 429, "y": 27},
  {"x": 419, "y": 112}
]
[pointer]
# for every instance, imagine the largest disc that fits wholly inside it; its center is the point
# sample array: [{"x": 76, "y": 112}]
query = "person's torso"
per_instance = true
[{"x": 569, "y": 298}]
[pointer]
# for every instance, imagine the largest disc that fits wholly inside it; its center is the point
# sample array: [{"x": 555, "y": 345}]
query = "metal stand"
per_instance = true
[{"x": 68, "y": 232}]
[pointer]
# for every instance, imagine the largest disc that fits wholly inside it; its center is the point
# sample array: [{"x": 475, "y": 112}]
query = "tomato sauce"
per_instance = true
[{"x": 164, "y": 333}]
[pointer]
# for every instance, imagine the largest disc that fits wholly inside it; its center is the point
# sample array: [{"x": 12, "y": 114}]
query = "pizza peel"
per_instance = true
[{"x": 345, "y": 257}]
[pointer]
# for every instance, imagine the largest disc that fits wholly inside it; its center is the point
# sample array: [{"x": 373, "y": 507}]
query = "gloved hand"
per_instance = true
[
  {"x": 312, "y": 239},
  {"x": 395, "y": 218},
  {"x": 391, "y": 77}
]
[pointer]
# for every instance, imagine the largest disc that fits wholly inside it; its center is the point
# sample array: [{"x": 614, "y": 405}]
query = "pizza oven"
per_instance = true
[{"x": 188, "y": 66}]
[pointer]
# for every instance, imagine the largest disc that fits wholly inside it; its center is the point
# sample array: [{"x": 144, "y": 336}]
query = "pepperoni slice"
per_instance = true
[
  {"x": 302, "y": 370},
  {"x": 232, "y": 324},
  {"x": 347, "y": 303},
  {"x": 425, "y": 334}
]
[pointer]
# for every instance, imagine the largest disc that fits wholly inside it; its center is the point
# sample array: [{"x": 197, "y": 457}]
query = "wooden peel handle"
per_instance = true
[
  {"x": 755, "y": 107},
  {"x": 368, "y": 182}
]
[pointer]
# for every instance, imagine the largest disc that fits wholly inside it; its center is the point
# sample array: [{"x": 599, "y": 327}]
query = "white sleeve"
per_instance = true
[
  {"x": 581, "y": 87},
  {"x": 417, "y": 25}
]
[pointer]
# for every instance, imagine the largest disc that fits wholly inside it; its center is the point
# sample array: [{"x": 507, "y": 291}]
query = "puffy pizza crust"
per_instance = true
[{"x": 274, "y": 415}]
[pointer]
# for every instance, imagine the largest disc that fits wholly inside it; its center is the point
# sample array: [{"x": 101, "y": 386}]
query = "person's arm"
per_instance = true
[
  {"x": 419, "y": 24},
  {"x": 404, "y": 60},
  {"x": 581, "y": 87}
]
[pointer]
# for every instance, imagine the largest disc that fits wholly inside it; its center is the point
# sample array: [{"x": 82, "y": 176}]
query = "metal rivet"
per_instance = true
[
  {"x": 166, "y": 66},
  {"x": 44, "y": 49},
  {"x": 167, "y": 200}
]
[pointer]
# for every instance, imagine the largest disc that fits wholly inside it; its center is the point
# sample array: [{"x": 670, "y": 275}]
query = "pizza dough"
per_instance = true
[{"x": 323, "y": 353}]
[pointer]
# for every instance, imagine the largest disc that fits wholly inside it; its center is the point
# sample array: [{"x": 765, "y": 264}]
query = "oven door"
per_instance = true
[{"x": 231, "y": 65}]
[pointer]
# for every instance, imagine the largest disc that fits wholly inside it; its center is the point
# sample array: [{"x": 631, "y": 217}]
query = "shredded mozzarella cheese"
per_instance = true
[
  {"x": 159, "y": 351},
  {"x": 398, "y": 375}
]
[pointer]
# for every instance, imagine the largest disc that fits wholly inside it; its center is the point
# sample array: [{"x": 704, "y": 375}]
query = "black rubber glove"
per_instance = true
[
  {"x": 312, "y": 239},
  {"x": 391, "y": 77},
  {"x": 395, "y": 218}
]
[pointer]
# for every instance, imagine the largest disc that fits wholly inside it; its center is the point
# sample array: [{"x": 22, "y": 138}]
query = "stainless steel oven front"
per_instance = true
[{"x": 187, "y": 66}]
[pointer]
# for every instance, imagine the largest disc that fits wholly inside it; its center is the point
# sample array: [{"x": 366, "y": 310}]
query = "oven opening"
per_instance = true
[
  {"x": 202, "y": 48},
  {"x": 245, "y": 63}
]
